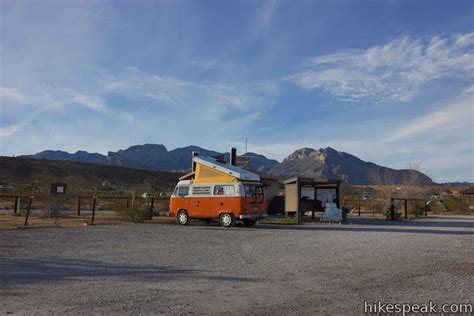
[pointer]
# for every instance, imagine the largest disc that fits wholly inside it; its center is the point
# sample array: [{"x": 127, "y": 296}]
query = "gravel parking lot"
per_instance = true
[{"x": 270, "y": 269}]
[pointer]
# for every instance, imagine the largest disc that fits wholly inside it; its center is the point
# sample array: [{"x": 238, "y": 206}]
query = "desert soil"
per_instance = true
[{"x": 205, "y": 269}]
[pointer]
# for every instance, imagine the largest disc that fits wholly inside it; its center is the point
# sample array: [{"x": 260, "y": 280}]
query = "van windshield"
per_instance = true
[
  {"x": 181, "y": 191},
  {"x": 253, "y": 190}
]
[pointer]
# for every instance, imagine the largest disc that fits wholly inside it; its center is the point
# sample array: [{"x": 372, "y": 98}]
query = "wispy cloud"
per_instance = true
[
  {"x": 11, "y": 129},
  {"x": 217, "y": 102},
  {"x": 456, "y": 116},
  {"x": 44, "y": 99},
  {"x": 11, "y": 95},
  {"x": 265, "y": 15},
  {"x": 392, "y": 72}
]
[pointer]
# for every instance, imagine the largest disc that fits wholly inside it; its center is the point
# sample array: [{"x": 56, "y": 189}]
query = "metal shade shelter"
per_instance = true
[{"x": 317, "y": 192}]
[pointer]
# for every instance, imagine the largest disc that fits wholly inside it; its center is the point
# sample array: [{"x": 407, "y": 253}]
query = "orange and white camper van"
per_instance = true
[{"x": 217, "y": 190}]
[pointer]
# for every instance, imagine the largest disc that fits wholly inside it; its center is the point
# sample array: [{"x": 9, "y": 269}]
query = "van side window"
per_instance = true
[
  {"x": 183, "y": 191},
  {"x": 224, "y": 190},
  {"x": 201, "y": 190}
]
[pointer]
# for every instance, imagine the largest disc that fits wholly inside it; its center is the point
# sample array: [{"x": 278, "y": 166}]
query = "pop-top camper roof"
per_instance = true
[{"x": 227, "y": 169}]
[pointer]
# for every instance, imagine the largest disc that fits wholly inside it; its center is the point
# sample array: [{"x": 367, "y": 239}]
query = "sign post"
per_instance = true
[{"x": 57, "y": 189}]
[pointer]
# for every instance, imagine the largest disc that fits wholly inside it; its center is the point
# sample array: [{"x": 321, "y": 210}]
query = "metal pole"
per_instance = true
[
  {"x": 79, "y": 206},
  {"x": 28, "y": 209},
  {"x": 93, "y": 209},
  {"x": 359, "y": 207},
  {"x": 425, "y": 208}
]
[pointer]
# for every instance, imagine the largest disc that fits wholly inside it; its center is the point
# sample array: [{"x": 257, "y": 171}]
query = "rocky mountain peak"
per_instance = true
[
  {"x": 300, "y": 154},
  {"x": 305, "y": 162}
]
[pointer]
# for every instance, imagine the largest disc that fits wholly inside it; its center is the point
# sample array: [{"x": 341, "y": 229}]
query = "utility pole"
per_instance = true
[{"x": 246, "y": 139}]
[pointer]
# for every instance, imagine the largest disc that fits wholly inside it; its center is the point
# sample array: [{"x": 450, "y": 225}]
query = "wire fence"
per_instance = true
[{"x": 87, "y": 208}]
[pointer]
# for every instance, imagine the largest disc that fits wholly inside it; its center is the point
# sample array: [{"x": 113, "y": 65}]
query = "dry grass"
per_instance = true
[{"x": 10, "y": 221}]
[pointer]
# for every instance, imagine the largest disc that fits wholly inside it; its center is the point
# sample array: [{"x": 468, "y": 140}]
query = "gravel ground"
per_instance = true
[{"x": 271, "y": 269}]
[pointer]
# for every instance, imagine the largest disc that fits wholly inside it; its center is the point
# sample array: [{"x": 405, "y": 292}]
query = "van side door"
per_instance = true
[
  {"x": 225, "y": 200},
  {"x": 201, "y": 201}
]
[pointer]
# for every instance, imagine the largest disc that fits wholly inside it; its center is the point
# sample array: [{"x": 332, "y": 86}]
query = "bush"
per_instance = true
[
  {"x": 454, "y": 205},
  {"x": 134, "y": 215},
  {"x": 138, "y": 214}
]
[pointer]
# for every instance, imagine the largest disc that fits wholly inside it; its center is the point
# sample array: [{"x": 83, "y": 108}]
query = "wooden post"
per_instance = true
[
  {"x": 17, "y": 204},
  {"x": 128, "y": 203},
  {"x": 28, "y": 209},
  {"x": 133, "y": 206},
  {"x": 359, "y": 207},
  {"x": 94, "y": 201},
  {"x": 425, "y": 208},
  {"x": 151, "y": 205},
  {"x": 393, "y": 215},
  {"x": 298, "y": 202},
  {"x": 79, "y": 206},
  {"x": 406, "y": 209}
]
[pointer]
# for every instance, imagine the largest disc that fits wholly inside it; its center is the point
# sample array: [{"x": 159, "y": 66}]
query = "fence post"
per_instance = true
[
  {"x": 406, "y": 209},
  {"x": 28, "y": 209},
  {"x": 17, "y": 204},
  {"x": 359, "y": 207},
  {"x": 128, "y": 202},
  {"x": 133, "y": 206},
  {"x": 425, "y": 208},
  {"x": 151, "y": 206},
  {"x": 79, "y": 206},
  {"x": 93, "y": 209}
]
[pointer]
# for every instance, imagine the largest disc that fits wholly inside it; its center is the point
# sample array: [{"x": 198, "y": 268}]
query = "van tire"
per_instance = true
[
  {"x": 182, "y": 217},
  {"x": 226, "y": 220},
  {"x": 249, "y": 222}
]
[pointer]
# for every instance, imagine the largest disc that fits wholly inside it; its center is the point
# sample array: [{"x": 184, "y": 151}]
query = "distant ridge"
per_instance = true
[{"x": 308, "y": 162}]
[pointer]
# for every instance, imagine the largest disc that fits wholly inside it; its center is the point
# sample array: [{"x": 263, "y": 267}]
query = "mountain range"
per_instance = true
[{"x": 306, "y": 162}]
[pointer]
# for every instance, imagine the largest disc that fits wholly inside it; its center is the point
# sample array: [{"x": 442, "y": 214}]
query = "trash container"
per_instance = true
[{"x": 345, "y": 216}]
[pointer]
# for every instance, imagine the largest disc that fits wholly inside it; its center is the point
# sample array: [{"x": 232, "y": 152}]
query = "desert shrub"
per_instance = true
[
  {"x": 138, "y": 214},
  {"x": 418, "y": 209},
  {"x": 454, "y": 205},
  {"x": 379, "y": 206},
  {"x": 436, "y": 207}
]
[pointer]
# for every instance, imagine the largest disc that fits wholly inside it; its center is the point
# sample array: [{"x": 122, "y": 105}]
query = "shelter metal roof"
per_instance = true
[{"x": 311, "y": 181}]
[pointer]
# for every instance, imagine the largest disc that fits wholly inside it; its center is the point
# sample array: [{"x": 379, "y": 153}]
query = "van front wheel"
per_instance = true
[
  {"x": 226, "y": 220},
  {"x": 182, "y": 217}
]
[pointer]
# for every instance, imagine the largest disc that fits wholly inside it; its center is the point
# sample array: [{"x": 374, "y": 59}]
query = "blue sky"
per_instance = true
[{"x": 388, "y": 81}]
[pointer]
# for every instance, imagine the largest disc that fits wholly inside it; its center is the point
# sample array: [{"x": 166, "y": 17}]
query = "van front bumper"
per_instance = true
[{"x": 253, "y": 216}]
